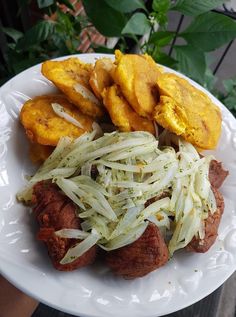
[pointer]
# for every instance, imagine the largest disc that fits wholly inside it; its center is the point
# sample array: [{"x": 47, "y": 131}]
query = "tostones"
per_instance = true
[
  {"x": 38, "y": 153},
  {"x": 137, "y": 76},
  {"x": 101, "y": 76},
  {"x": 72, "y": 76},
  {"x": 45, "y": 127},
  {"x": 187, "y": 111},
  {"x": 122, "y": 114}
]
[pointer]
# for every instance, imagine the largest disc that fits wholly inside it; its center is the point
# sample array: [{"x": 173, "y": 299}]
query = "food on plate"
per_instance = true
[
  {"x": 38, "y": 153},
  {"x": 217, "y": 174},
  {"x": 139, "y": 193},
  {"x": 185, "y": 110},
  {"x": 55, "y": 211},
  {"x": 44, "y": 126},
  {"x": 137, "y": 77},
  {"x": 122, "y": 115},
  {"x": 101, "y": 76},
  {"x": 211, "y": 225},
  {"x": 141, "y": 257},
  {"x": 130, "y": 195},
  {"x": 166, "y": 98},
  {"x": 72, "y": 76}
]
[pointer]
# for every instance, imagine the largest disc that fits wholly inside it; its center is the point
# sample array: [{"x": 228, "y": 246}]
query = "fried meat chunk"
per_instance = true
[
  {"x": 211, "y": 227},
  {"x": 185, "y": 110},
  {"x": 137, "y": 76},
  {"x": 217, "y": 174},
  {"x": 54, "y": 211},
  {"x": 122, "y": 115},
  {"x": 72, "y": 76},
  {"x": 141, "y": 257},
  {"x": 45, "y": 127}
]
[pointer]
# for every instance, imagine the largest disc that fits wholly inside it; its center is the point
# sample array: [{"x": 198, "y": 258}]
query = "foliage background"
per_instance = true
[{"x": 137, "y": 25}]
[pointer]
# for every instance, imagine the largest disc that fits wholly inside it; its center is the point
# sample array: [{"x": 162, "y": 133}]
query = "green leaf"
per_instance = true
[
  {"x": 230, "y": 102},
  {"x": 102, "y": 49},
  {"x": 12, "y": 33},
  {"x": 229, "y": 84},
  {"x": 229, "y": 99},
  {"x": 59, "y": 42},
  {"x": 37, "y": 34},
  {"x": 44, "y": 3},
  {"x": 161, "y": 5},
  {"x": 138, "y": 24},
  {"x": 126, "y": 5},
  {"x": 12, "y": 46},
  {"x": 162, "y": 19},
  {"x": 165, "y": 59},
  {"x": 67, "y": 3},
  {"x": 106, "y": 20},
  {"x": 196, "y": 7},
  {"x": 160, "y": 8},
  {"x": 191, "y": 62},
  {"x": 161, "y": 38},
  {"x": 209, "y": 80},
  {"x": 65, "y": 22},
  {"x": 210, "y": 59},
  {"x": 77, "y": 26},
  {"x": 210, "y": 31}
]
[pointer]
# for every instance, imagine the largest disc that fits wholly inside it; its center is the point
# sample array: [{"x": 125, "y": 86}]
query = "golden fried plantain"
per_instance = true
[
  {"x": 187, "y": 111},
  {"x": 100, "y": 76},
  {"x": 122, "y": 115},
  {"x": 45, "y": 127},
  {"x": 137, "y": 76},
  {"x": 38, "y": 153},
  {"x": 72, "y": 76}
]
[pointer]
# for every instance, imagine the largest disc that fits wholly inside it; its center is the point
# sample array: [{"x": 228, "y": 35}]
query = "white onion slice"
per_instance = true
[
  {"x": 71, "y": 233},
  {"x": 61, "y": 112},
  {"x": 80, "y": 248},
  {"x": 98, "y": 130},
  {"x": 86, "y": 93}
]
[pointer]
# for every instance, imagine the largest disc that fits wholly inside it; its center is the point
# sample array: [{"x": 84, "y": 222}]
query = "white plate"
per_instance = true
[{"x": 94, "y": 291}]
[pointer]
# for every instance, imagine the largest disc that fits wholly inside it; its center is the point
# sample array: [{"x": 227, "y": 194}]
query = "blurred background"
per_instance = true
[{"x": 193, "y": 37}]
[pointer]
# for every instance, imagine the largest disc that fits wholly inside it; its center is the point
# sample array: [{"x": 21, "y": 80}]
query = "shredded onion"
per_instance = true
[
  {"x": 130, "y": 170},
  {"x": 80, "y": 248},
  {"x": 61, "y": 112},
  {"x": 86, "y": 93},
  {"x": 72, "y": 233}
]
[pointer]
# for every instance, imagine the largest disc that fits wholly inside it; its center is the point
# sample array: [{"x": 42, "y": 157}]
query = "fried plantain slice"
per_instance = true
[
  {"x": 72, "y": 76},
  {"x": 122, "y": 115},
  {"x": 137, "y": 76},
  {"x": 45, "y": 127},
  {"x": 38, "y": 153},
  {"x": 187, "y": 111},
  {"x": 100, "y": 76}
]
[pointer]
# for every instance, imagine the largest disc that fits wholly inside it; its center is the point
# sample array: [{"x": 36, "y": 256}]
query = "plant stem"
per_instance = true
[
  {"x": 176, "y": 34},
  {"x": 222, "y": 57}
]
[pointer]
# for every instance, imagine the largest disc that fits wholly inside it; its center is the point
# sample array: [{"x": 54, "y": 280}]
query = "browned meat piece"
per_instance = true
[
  {"x": 55, "y": 211},
  {"x": 211, "y": 227},
  {"x": 94, "y": 172},
  {"x": 153, "y": 199},
  {"x": 217, "y": 174},
  {"x": 141, "y": 257}
]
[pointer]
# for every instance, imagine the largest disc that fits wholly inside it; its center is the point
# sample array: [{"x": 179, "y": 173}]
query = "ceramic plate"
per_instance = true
[{"x": 94, "y": 291}]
